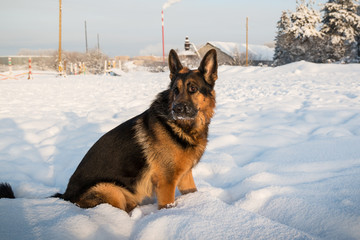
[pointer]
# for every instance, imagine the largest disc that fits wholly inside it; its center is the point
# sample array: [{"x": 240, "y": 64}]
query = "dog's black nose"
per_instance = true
[{"x": 181, "y": 108}]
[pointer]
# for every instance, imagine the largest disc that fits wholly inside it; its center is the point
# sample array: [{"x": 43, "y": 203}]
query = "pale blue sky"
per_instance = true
[{"x": 133, "y": 27}]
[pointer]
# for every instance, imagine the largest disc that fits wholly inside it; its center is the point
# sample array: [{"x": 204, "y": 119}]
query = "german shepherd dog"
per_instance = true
[{"x": 154, "y": 151}]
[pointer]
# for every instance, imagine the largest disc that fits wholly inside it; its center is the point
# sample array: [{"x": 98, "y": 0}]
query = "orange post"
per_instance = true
[{"x": 30, "y": 73}]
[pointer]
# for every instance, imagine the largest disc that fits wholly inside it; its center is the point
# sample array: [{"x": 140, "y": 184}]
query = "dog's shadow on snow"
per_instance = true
[
  {"x": 36, "y": 175},
  {"x": 73, "y": 141},
  {"x": 20, "y": 160}
]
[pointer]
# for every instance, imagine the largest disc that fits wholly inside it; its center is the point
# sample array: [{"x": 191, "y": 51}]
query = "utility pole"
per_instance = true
[
  {"x": 162, "y": 27},
  {"x": 98, "y": 43},
  {"x": 59, "y": 60},
  {"x": 247, "y": 42},
  {"x": 86, "y": 42}
]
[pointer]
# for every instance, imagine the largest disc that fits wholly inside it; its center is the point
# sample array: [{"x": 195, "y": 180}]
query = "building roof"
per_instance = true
[
  {"x": 258, "y": 52},
  {"x": 186, "y": 53}
]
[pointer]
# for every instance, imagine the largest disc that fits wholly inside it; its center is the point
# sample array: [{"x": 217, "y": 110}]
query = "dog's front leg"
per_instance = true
[
  {"x": 187, "y": 184},
  {"x": 165, "y": 192}
]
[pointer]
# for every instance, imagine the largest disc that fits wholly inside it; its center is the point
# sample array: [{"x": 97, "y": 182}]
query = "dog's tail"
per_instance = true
[
  {"x": 58, "y": 195},
  {"x": 6, "y": 191}
]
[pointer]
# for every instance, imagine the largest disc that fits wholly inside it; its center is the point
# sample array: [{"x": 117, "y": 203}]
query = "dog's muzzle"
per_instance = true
[{"x": 183, "y": 111}]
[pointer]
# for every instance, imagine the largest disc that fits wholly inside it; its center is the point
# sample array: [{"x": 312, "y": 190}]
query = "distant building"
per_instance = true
[
  {"x": 189, "y": 56},
  {"x": 122, "y": 58},
  {"x": 224, "y": 57},
  {"x": 187, "y": 44},
  {"x": 230, "y": 53}
]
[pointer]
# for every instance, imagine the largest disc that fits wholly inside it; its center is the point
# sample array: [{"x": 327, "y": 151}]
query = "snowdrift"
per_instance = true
[{"x": 283, "y": 160}]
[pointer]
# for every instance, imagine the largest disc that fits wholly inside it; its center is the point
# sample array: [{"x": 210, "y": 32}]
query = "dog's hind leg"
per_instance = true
[
  {"x": 187, "y": 184},
  {"x": 107, "y": 193}
]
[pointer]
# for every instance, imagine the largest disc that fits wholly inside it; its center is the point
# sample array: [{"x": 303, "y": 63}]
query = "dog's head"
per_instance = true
[{"x": 192, "y": 91}]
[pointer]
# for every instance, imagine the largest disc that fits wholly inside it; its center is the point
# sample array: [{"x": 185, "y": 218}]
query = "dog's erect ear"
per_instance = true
[
  {"x": 208, "y": 67},
  {"x": 174, "y": 63}
]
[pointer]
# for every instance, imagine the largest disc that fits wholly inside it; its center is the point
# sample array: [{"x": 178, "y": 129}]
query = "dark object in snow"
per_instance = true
[{"x": 6, "y": 191}]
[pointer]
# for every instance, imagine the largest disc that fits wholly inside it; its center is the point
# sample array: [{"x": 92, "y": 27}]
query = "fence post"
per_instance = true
[
  {"x": 30, "y": 73},
  {"x": 10, "y": 67},
  {"x": 65, "y": 66},
  {"x": 61, "y": 69}
]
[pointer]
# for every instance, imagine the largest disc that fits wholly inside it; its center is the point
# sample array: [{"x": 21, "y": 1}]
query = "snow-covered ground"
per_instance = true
[{"x": 283, "y": 160}]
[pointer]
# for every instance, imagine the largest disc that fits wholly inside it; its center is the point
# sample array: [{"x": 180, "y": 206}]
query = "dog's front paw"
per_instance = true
[{"x": 169, "y": 205}]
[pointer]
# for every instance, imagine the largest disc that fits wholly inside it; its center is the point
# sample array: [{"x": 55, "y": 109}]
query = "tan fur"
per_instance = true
[
  {"x": 170, "y": 165},
  {"x": 184, "y": 70},
  {"x": 187, "y": 184},
  {"x": 108, "y": 193}
]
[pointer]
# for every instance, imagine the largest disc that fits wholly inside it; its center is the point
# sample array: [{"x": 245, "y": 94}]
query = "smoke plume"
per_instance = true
[{"x": 169, "y": 3}]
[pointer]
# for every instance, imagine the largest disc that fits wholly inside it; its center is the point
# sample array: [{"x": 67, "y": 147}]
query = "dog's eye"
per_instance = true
[
  {"x": 176, "y": 91},
  {"x": 192, "y": 89}
]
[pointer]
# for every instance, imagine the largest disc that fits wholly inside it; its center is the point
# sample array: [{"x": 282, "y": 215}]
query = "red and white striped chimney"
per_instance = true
[{"x": 163, "y": 44}]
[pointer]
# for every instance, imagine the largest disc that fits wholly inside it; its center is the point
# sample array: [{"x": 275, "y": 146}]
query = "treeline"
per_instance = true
[{"x": 306, "y": 34}]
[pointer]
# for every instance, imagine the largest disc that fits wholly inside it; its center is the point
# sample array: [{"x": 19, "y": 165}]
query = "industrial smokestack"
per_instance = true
[
  {"x": 187, "y": 44},
  {"x": 165, "y": 6},
  {"x": 86, "y": 42}
]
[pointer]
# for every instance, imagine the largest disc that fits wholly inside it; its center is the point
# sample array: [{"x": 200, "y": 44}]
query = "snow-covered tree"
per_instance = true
[
  {"x": 298, "y": 38},
  {"x": 306, "y": 44},
  {"x": 341, "y": 26},
  {"x": 94, "y": 61},
  {"x": 358, "y": 45},
  {"x": 282, "y": 41}
]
